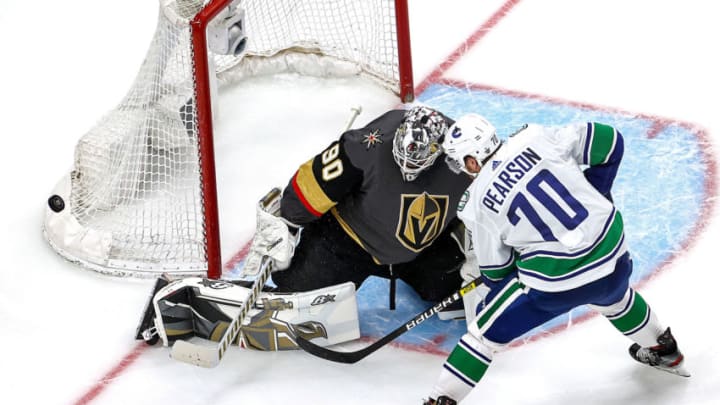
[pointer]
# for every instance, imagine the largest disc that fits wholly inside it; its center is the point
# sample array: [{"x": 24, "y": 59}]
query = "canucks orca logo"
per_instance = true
[{"x": 421, "y": 219}]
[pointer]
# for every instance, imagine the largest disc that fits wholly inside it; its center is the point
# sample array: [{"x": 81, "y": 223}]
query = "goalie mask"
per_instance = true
[
  {"x": 417, "y": 141},
  {"x": 471, "y": 135}
]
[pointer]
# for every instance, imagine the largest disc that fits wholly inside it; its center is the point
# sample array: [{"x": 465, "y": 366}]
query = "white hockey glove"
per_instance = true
[
  {"x": 469, "y": 272},
  {"x": 273, "y": 237},
  {"x": 476, "y": 297}
]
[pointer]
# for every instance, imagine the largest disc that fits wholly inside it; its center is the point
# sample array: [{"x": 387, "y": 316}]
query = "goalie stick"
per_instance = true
[
  {"x": 354, "y": 112},
  {"x": 355, "y": 356},
  {"x": 210, "y": 355}
]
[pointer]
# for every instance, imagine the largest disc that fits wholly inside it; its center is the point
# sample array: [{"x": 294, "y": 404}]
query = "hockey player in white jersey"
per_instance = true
[{"x": 547, "y": 238}]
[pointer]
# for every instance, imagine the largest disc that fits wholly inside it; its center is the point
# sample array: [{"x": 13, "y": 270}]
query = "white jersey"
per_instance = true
[{"x": 531, "y": 208}]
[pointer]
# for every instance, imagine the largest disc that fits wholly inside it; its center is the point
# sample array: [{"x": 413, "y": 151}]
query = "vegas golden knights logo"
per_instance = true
[
  {"x": 265, "y": 332},
  {"x": 421, "y": 219}
]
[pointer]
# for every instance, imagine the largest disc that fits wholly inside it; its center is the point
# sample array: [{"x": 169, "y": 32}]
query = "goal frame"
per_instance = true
[
  {"x": 203, "y": 89},
  {"x": 204, "y": 120}
]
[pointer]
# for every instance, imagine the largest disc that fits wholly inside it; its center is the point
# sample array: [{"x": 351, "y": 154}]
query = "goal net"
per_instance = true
[{"x": 141, "y": 198}]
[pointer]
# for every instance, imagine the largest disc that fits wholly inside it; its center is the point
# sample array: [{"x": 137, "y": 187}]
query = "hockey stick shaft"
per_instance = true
[
  {"x": 355, "y": 356},
  {"x": 354, "y": 114},
  {"x": 210, "y": 356}
]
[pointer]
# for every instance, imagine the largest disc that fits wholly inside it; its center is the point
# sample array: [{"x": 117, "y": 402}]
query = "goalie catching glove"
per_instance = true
[{"x": 275, "y": 236}]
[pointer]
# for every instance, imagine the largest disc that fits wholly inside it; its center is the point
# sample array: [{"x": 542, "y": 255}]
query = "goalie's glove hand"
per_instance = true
[{"x": 275, "y": 237}]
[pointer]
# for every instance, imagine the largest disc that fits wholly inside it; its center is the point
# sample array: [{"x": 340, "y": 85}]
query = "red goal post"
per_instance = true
[{"x": 141, "y": 199}]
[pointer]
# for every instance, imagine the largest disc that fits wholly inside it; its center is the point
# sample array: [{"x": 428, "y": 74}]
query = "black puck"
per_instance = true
[{"x": 56, "y": 203}]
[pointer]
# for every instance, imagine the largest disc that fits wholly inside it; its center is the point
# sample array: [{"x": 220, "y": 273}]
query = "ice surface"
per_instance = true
[{"x": 648, "y": 67}]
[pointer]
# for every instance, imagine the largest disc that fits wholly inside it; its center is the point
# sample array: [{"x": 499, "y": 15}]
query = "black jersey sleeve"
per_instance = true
[{"x": 319, "y": 184}]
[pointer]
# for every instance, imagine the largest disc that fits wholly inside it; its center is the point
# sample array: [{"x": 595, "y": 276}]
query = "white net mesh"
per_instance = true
[
  {"x": 134, "y": 199},
  {"x": 360, "y": 32}
]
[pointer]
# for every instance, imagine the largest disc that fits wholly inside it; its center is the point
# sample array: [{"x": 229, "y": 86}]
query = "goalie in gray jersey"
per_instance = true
[
  {"x": 548, "y": 239},
  {"x": 379, "y": 201}
]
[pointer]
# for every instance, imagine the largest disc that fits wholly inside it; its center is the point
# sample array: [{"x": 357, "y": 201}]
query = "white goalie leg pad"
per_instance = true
[
  {"x": 328, "y": 314},
  {"x": 161, "y": 300}
]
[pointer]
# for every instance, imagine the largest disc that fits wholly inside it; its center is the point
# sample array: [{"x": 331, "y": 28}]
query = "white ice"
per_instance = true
[{"x": 66, "y": 334}]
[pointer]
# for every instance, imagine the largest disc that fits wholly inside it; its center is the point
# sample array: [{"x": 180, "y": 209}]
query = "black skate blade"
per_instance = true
[{"x": 148, "y": 316}]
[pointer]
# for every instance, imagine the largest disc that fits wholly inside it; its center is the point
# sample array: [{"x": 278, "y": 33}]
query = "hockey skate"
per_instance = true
[
  {"x": 664, "y": 356},
  {"x": 442, "y": 400}
]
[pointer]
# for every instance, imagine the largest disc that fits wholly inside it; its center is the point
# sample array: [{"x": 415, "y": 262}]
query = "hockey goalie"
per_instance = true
[
  {"x": 340, "y": 225},
  {"x": 203, "y": 311}
]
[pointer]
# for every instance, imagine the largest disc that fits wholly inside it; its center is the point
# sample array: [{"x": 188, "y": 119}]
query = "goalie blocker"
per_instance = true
[{"x": 198, "y": 308}]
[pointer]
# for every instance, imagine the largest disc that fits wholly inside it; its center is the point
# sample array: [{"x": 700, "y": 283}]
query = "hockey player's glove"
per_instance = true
[
  {"x": 474, "y": 300},
  {"x": 274, "y": 236}
]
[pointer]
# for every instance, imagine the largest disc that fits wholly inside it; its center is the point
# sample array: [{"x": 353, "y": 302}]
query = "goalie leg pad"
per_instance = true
[
  {"x": 146, "y": 328},
  {"x": 203, "y": 308}
]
